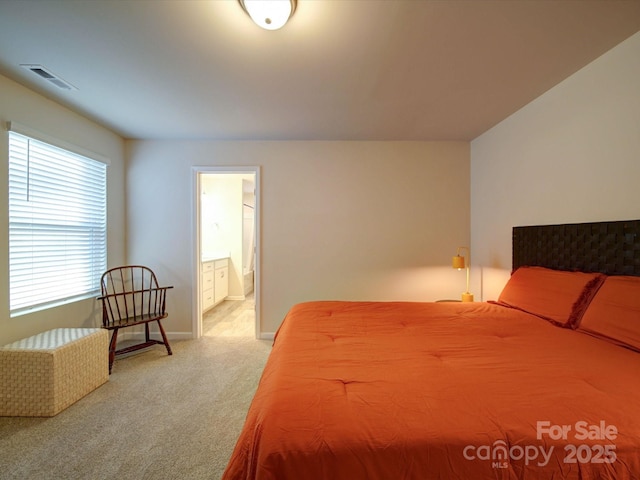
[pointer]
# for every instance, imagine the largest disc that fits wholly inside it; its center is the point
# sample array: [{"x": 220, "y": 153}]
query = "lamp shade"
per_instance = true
[
  {"x": 458, "y": 262},
  {"x": 269, "y": 14}
]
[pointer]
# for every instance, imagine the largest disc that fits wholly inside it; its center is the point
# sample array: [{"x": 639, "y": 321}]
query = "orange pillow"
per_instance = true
[
  {"x": 558, "y": 296},
  {"x": 614, "y": 313}
]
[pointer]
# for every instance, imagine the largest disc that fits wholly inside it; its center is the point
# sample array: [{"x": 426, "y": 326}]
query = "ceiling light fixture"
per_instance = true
[{"x": 269, "y": 14}]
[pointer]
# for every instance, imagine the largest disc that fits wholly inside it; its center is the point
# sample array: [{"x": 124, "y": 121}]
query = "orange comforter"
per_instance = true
[{"x": 391, "y": 391}]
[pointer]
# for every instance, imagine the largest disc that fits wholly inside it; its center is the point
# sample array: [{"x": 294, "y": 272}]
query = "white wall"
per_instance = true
[
  {"x": 221, "y": 224},
  {"x": 23, "y": 106},
  {"x": 572, "y": 155},
  {"x": 340, "y": 220}
]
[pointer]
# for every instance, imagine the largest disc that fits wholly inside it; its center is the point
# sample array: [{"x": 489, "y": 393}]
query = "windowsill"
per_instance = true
[{"x": 57, "y": 303}]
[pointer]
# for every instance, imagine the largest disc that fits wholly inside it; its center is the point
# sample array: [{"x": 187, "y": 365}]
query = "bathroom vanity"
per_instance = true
[{"x": 215, "y": 281}]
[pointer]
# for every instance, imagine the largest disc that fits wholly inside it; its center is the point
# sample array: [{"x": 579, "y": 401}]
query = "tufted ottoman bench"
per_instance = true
[{"x": 42, "y": 375}]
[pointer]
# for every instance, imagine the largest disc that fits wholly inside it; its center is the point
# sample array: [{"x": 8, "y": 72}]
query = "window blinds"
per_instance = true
[{"x": 57, "y": 224}]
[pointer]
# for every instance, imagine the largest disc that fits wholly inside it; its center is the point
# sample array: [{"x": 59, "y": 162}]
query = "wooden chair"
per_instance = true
[{"x": 131, "y": 296}]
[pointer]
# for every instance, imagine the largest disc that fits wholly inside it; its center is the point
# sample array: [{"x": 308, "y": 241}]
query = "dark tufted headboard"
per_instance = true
[{"x": 606, "y": 247}]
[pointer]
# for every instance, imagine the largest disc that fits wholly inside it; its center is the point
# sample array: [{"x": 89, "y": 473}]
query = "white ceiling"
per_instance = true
[{"x": 339, "y": 70}]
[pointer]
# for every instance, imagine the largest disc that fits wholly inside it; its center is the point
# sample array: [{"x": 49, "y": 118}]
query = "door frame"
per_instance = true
[{"x": 197, "y": 172}]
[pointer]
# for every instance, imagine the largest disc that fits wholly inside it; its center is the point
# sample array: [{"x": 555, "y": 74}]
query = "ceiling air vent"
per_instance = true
[{"x": 46, "y": 74}]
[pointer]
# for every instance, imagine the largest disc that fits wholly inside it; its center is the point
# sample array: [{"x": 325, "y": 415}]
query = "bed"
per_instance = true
[{"x": 542, "y": 384}]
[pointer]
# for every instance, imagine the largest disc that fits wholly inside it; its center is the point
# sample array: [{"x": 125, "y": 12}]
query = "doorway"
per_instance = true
[{"x": 226, "y": 237}]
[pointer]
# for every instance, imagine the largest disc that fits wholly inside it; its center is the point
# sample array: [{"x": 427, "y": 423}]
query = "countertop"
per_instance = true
[{"x": 211, "y": 256}]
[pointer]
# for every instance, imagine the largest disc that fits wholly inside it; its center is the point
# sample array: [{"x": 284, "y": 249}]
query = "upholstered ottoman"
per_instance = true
[{"x": 42, "y": 375}]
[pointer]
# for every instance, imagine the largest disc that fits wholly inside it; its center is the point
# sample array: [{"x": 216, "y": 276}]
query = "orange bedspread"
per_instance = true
[{"x": 392, "y": 391}]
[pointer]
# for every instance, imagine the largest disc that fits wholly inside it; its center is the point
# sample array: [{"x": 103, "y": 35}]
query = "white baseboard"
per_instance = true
[{"x": 267, "y": 335}]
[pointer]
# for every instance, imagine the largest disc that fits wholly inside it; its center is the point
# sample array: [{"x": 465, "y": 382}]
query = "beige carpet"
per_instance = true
[{"x": 158, "y": 417}]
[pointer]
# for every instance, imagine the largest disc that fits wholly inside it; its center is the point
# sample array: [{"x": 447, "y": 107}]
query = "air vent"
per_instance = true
[{"x": 47, "y": 75}]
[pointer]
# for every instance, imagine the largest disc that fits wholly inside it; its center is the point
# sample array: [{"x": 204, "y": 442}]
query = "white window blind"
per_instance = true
[{"x": 57, "y": 224}]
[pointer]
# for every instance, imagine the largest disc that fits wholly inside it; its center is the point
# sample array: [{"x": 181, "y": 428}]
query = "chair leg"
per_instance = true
[
  {"x": 164, "y": 338},
  {"x": 112, "y": 349}
]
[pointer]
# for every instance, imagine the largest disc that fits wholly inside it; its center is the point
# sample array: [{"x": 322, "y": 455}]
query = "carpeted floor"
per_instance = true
[{"x": 158, "y": 416}]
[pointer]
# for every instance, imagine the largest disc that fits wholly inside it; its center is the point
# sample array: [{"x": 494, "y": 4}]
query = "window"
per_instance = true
[{"x": 57, "y": 224}]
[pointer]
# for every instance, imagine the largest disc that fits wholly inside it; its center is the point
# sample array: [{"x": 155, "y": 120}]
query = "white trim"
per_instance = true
[
  {"x": 43, "y": 137},
  {"x": 196, "y": 264},
  {"x": 267, "y": 336},
  {"x": 195, "y": 240}
]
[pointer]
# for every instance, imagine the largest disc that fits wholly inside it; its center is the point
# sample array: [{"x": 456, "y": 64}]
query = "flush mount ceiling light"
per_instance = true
[{"x": 269, "y": 14}]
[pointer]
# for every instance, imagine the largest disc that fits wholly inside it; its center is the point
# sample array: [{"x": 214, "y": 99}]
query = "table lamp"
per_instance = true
[{"x": 460, "y": 263}]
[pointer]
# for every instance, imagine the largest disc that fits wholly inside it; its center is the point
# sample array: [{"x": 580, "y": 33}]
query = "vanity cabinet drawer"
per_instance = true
[
  {"x": 207, "y": 299},
  {"x": 208, "y": 267},
  {"x": 207, "y": 281}
]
